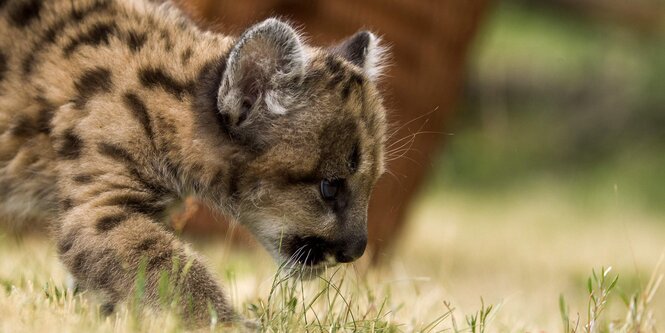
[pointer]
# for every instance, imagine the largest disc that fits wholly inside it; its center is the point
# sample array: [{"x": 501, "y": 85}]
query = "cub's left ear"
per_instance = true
[
  {"x": 267, "y": 59},
  {"x": 365, "y": 51}
]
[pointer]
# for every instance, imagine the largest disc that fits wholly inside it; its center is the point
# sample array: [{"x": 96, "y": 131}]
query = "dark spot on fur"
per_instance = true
[
  {"x": 159, "y": 260},
  {"x": 107, "y": 309},
  {"x": 28, "y": 63},
  {"x": 151, "y": 186},
  {"x": 23, "y": 126},
  {"x": 99, "y": 5},
  {"x": 50, "y": 35},
  {"x": 52, "y": 32},
  {"x": 48, "y": 38},
  {"x": 83, "y": 178},
  {"x": 146, "y": 244},
  {"x": 3, "y": 65},
  {"x": 2, "y": 3},
  {"x": 346, "y": 91},
  {"x": 109, "y": 222},
  {"x": 354, "y": 80},
  {"x": 92, "y": 81},
  {"x": 65, "y": 245},
  {"x": 157, "y": 78},
  {"x": 333, "y": 65},
  {"x": 79, "y": 264},
  {"x": 66, "y": 204},
  {"x": 137, "y": 203},
  {"x": 136, "y": 40},
  {"x": 139, "y": 111},
  {"x": 67, "y": 241},
  {"x": 186, "y": 55},
  {"x": 338, "y": 73},
  {"x": 123, "y": 156},
  {"x": 24, "y": 12},
  {"x": 168, "y": 42},
  {"x": 115, "y": 152},
  {"x": 43, "y": 122},
  {"x": 97, "y": 35},
  {"x": 71, "y": 145}
]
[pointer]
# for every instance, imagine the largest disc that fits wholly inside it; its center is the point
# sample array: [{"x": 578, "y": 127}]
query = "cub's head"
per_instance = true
[{"x": 314, "y": 125}]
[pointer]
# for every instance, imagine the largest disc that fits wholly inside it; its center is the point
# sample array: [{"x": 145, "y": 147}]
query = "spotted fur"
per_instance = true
[{"x": 111, "y": 111}]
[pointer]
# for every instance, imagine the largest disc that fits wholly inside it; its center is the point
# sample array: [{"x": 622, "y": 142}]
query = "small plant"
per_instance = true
[
  {"x": 54, "y": 293},
  {"x": 332, "y": 305},
  {"x": 477, "y": 322},
  {"x": 599, "y": 287},
  {"x": 564, "y": 310},
  {"x": 639, "y": 317}
]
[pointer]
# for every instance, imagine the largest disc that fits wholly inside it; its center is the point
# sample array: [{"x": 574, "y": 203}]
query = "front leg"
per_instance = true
[
  {"x": 106, "y": 245},
  {"x": 110, "y": 230}
]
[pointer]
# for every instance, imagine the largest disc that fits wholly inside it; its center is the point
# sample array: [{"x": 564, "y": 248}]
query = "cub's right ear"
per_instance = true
[
  {"x": 365, "y": 50},
  {"x": 265, "y": 60}
]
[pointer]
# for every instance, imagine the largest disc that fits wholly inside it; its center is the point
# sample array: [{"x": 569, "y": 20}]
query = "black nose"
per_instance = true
[{"x": 352, "y": 249}]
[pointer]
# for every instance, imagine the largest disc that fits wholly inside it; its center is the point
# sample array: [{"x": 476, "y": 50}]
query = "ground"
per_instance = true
[{"x": 517, "y": 252}]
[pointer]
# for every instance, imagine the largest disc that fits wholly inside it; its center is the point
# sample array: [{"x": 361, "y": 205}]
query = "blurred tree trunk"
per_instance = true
[{"x": 429, "y": 40}]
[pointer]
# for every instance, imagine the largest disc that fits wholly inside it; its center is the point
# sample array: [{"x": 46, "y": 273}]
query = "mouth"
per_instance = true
[
  {"x": 304, "y": 272},
  {"x": 308, "y": 259}
]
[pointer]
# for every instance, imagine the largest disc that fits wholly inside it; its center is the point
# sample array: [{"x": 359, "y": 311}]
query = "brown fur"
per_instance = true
[{"x": 113, "y": 110}]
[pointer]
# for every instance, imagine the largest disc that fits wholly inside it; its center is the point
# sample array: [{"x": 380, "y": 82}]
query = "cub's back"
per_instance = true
[{"x": 64, "y": 53}]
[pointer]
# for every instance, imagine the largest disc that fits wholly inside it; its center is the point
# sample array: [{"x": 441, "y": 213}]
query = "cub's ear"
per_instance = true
[
  {"x": 265, "y": 60},
  {"x": 365, "y": 51}
]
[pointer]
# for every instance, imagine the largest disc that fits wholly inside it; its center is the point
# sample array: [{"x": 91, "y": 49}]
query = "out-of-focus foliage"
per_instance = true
[{"x": 556, "y": 95}]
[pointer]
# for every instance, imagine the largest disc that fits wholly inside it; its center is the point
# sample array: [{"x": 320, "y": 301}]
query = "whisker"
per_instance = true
[
  {"x": 411, "y": 139},
  {"x": 420, "y": 128},
  {"x": 416, "y": 162},
  {"x": 421, "y": 133},
  {"x": 409, "y": 143},
  {"x": 411, "y": 121}
]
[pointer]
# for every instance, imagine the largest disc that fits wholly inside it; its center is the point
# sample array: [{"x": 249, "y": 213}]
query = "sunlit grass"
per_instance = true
[{"x": 511, "y": 264}]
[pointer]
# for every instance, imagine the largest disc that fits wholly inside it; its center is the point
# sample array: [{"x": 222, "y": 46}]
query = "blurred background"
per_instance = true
[
  {"x": 564, "y": 91},
  {"x": 497, "y": 98},
  {"x": 527, "y": 147}
]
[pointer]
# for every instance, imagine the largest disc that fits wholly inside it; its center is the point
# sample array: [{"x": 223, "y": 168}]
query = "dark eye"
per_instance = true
[{"x": 330, "y": 188}]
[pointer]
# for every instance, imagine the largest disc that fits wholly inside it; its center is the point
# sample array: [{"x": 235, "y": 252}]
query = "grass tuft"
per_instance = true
[{"x": 639, "y": 316}]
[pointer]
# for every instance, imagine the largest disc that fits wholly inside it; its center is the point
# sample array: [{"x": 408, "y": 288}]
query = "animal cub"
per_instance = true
[{"x": 113, "y": 110}]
